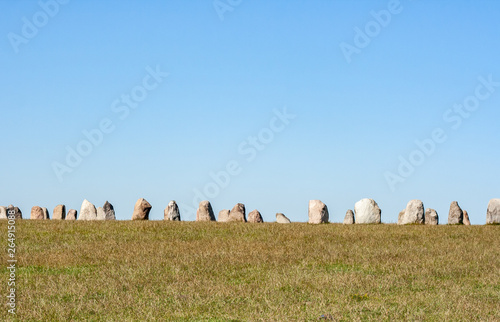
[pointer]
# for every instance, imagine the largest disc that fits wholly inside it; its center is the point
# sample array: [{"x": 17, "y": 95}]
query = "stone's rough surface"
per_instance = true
[
  {"x": 172, "y": 213},
  {"x": 205, "y": 212},
  {"x": 401, "y": 216},
  {"x": 101, "y": 215},
  {"x": 3, "y": 212},
  {"x": 59, "y": 212},
  {"x": 15, "y": 211},
  {"x": 318, "y": 212},
  {"x": 37, "y": 213},
  {"x": 223, "y": 216},
  {"x": 238, "y": 213},
  {"x": 282, "y": 219},
  {"x": 87, "y": 211},
  {"x": 466, "y": 218},
  {"x": 413, "y": 214},
  {"x": 349, "y": 217},
  {"x": 45, "y": 213},
  {"x": 109, "y": 211},
  {"x": 493, "y": 214},
  {"x": 367, "y": 211},
  {"x": 431, "y": 217},
  {"x": 141, "y": 210},
  {"x": 456, "y": 215},
  {"x": 72, "y": 214},
  {"x": 255, "y": 217}
]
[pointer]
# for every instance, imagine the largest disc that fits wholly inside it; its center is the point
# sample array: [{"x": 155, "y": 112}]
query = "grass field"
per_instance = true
[{"x": 138, "y": 271}]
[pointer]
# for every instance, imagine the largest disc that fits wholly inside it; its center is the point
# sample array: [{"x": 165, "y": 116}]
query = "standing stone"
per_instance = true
[
  {"x": 72, "y": 214},
  {"x": 282, "y": 219},
  {"x": 101, "y": 215},
  {"x": 238, "y": 213},
  {"x": 431, "y": 217},
  {"x": 109, "y": 210},
  {"x": 15, "y": 211},
  {"x": 172, "y": 212},
  {"x": 87, "y": 211},
  {"x": 45, "y": 213},
  {"x": 349, "y": 217},
  {"x": 456, "y": 215},
  {"x": 493, "y": 213},
  {"x": 205, "y": 212},
  {"x": 3, "y": 212},
  {"x": 223, "y": 216},
  {"x": 466, "y": 218},
  {"x": 141, "y": 210},
  {"x": 59, "y": 212},
  {"x": 367, "y": 212},
  {"x": 37, "y": 213},
  {"x": 413, "y": 214},
  {"x": 318, "y": 212},
  {"x": 255, "y": 217}
]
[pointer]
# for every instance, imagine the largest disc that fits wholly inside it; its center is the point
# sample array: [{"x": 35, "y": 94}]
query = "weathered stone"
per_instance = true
[
  {"x": 37, "y": 213},
  {"x": 3, "y": 212},
  {"x": 59, "y": 212},
  {"x": 141, "y": 210},
  {"x": 223, "y": 216},
  {"x": 87, "y": 211},
  {"x": 14, "y": 211},
  {"x": 238, "y": 213},
  {"x": 255, "y": 217},
  {"x": 413, "y": 214},
  {"x": 349, "y": 217},
  {"x": 493, "y": 213},
  {"x": 318, "y": 212},
  {"x": 282, "y": 219},
  {"x": 45, "y": 213},
  {"x": 431, "y": 217},
  {"x": 101, "y": 215},
  {"x": 72, "y": 214},
  {"x": 172, "y": 212},
  {"x": 109, "y": 210},
  {"x": 456, "y": 215},
  {"x": 466, "y": 218},
  {"x": 401, "y": 216},
  {"x": 367, "y": 211},
  {"x": 205, "y": 212}
]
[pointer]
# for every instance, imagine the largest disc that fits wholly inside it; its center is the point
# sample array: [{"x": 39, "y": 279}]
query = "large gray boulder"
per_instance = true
[
  {"x": 466, "y": 218},
  {"x": 14, "y": 211},
  {"x": 205, "y": 212},
  {"x": 318, "y": 212},
  {"x": 87, "y": 211},
  {"x": 72, "y": 214},
  {"x": 141, "y": 210},
  {"x": 282, "y": 219},
  {"x": 45, "y": 213},
  {"x": 238, "y": 213},
  {"x": 172, "y": 212},
  {"x": 413, "y": 214},
  {"x": 493, "y": 213},
  {"x": 255, "y": 217},
  {"x": 36, "y": 213},
  {"x": 456, "y": 215},
  {"x": 109, "y": 211},
  {"x": 367, "y": 211},
  {"x": 223, "y": 216},
  {"x": 349, "y": 217},
  {"x": 59, "y": 212},
  {"x": 431, "y": 217},
  {"x": 3, "y": 212}
]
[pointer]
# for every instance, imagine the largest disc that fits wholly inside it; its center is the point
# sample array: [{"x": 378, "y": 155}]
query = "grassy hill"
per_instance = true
[{"x": 214, "y": 271}]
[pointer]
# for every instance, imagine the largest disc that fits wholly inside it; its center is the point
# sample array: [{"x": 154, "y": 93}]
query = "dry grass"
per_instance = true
[{"x": 124, "y": 271}]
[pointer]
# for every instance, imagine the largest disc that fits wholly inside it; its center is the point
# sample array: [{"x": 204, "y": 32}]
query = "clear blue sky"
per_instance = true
[{"x": 225, "y": 78}]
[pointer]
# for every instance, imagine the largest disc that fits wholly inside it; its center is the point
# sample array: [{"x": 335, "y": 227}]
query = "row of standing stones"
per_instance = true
[{"x": 366, "y": 211}]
